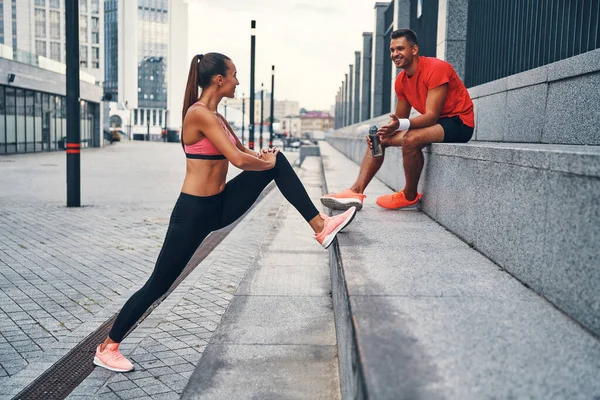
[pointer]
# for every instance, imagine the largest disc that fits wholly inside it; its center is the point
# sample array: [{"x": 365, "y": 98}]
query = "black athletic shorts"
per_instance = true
[{"x": 454, "y": 130}]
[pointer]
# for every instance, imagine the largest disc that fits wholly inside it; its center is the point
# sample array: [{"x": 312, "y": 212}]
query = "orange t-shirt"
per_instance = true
[{"x": 431, "y": 73}]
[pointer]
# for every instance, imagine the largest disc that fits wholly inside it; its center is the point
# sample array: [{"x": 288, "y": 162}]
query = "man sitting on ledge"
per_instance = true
[{"x": 434, "y": 89}]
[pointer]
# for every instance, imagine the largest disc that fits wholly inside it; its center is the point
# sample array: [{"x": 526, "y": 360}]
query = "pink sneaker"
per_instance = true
[
  {"x": 343, "y": 200},
  {"x": 112, "y": 359},
  {"x": 333, "y": 225}
]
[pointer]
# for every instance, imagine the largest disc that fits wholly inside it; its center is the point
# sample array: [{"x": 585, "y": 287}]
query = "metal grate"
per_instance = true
[
  {"x": 425, "y": 26},
  {"x": 58, "y": 381},
  {"x": 505, "y": 37}
]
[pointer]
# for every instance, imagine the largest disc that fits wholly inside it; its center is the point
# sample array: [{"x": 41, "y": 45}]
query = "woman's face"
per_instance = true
[{"x": 230, "y": 81}]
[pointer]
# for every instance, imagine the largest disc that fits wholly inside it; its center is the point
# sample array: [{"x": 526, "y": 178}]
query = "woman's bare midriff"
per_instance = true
[{"x": 205, "y": 177}]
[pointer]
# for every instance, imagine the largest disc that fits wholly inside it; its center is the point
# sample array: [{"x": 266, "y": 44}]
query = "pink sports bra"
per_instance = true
[{"x": 204, "y": 149}]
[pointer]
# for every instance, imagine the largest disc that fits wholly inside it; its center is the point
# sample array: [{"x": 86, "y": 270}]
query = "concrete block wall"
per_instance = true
[{"x": 556, "y": 103}]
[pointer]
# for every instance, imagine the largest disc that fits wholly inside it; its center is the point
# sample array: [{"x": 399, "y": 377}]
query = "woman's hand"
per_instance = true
[{"x": 270, "y": 155}]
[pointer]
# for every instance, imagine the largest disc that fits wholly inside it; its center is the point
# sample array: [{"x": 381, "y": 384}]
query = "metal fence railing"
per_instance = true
[{"x": 505, "y": 37}]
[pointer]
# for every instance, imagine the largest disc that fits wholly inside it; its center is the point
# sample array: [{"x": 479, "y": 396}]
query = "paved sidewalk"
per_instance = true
[
  {"x": 66, "y": 271},
  {"x": 277, "y": 339}
]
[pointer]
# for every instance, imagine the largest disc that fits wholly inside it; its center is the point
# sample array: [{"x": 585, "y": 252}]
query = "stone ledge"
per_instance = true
[
  {"x": 532, "y": 208},
  {"x": 425, "y": 316},
  {"x": 571, "y": 159}
]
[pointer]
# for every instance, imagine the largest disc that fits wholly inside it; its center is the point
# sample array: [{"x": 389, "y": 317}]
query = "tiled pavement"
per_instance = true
[{"x": 66, "y": 271}]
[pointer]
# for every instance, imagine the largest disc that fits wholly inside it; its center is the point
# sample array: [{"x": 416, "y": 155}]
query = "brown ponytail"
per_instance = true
[
  {"x": 191, "y": 89},
  {"x": 202, "y": 69}
]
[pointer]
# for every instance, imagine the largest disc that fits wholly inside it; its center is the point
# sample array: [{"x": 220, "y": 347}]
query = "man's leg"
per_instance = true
[
  {"x": 370, "y": 165},
  {"x": 412, "y": 155},
  {"x": 368, "y": 168}
]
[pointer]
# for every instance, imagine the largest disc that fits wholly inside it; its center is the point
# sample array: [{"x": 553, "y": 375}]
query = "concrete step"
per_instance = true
[
  {"x": 534, "y": 209},
  {"x": 420, "y": 314},
  {"x": 277, "y": 338}
]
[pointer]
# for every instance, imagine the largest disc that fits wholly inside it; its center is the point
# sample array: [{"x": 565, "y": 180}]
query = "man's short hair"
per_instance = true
[{"x": 409, "y": 34}]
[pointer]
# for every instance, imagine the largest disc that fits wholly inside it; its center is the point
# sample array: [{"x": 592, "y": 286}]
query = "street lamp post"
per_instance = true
[
  {"x": 243, "y": 115},
  {"x": 262, "y": 113},
  {"x": 166, "y": 133},
  {"x": 272, "y": 105},
  {"x": 73, "y": 107},
  {"x": 252, "y": 62},
  {"x": 148, "y": 121}
]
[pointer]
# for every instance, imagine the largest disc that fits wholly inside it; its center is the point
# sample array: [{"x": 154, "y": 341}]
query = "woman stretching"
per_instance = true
[{"x": 206, "y": 202}]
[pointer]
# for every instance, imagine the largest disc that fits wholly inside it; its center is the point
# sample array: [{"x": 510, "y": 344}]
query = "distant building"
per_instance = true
[
  {"x": 146, "y": 70},
  {"x": 292, "y": 126},
  {"x": 32, "y": 61},
  {"x": 281, "y": 109},
  {"x": 316, "y": 121},
  {"x": 308, "y": 123},
  {"x": 38, "y": 27}
]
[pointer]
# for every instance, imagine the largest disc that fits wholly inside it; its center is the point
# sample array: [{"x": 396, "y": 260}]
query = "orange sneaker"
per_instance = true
[
  {"x": 112, "y": 359},
  {"x": 343, "y": 200},
  {"x": 397, "y": 200},
  {"x": 333, "y": 225}
]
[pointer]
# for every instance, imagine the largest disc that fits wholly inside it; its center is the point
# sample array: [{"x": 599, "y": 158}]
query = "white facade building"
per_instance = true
[
  {"x": 146, "y": 65},
  {"x": 38, "y": 27},
  {"x": 292, "y": 126},
  {"x": 281, "y": 109}
]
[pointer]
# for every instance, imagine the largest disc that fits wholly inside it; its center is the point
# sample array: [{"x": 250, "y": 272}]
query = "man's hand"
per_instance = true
[
  {"x": 384, "y": 141},
  {"x": 391, "y": 127}
]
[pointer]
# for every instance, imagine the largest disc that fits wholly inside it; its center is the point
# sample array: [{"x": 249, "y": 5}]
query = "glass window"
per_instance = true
[
  {"x": 95, "y": 30},
  {"x": 46, "y": 117},
  {"x": 2, "y": 25},
  {"x": 40, "y": 48},
  {"x": 38, "y": 121},
  {"x": 11, "y": 121},
  {"x": 20, "y": 127},
  {"x": 55, "y": 3},
  {"x": 29, "y": 121},
  {"x": 40, "y": 2},
  {"x": 83, "y": 123},
  {"x": 83, "y": 6},
  {"x": 2, "y": 123},
  {"x": 160, "y": 118},
  {"x": 135, "y": 117},
  {"x": 55, "y": 51},
  {"x": 63, "y": 109},
  {"x": 51, "y": 121},
  {"x": 54, "y": 25},
  {"x": 83, "y": 29},
  {"x": 154, "y": 117},
  {"x": 83, "y": 56},
  {"x": 95, "y": 6},
  {"x": 96, "y": 54},
  {"x": 40, "y": 23},
  {"x": 60, "y": 133},
  {"x": 142, "y": 117}
]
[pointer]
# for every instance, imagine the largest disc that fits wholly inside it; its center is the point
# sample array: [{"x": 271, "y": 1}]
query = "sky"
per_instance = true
[{"x": 310, "y": 42}]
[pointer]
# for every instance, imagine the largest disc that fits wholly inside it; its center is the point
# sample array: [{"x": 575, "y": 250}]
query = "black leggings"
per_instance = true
[{"x": 194, "y": 217}]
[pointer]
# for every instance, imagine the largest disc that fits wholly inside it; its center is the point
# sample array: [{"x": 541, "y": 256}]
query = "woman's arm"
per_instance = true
[
  {"x": 239, "y": 144},
  {"x": 204, "y": 120}
]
